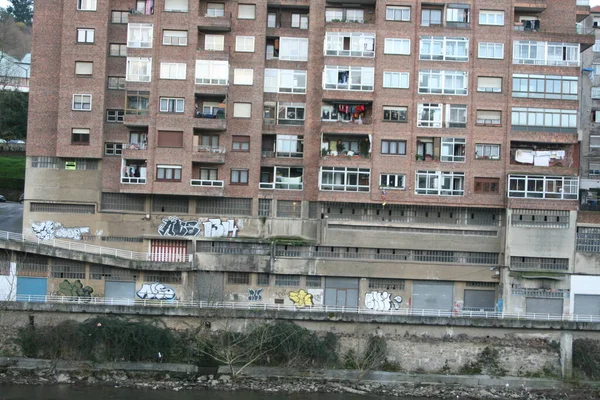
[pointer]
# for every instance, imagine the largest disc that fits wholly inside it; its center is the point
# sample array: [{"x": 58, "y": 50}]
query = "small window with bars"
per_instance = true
[
  {"x": 289, "y": 209},
  {"x": 62, "y": 208},
  {"x": 314, "y": 281},
  {"x": 33, "y": 265},
  {"x": 224, "y": 206},
  {"x": 122, "y": 202},
  {"x": 66, "y": 269},
  {"x": 287, "y": 280},
  {"x": 163, "y": 277},
  {"x": 238, "y": 278},
  {"x": 44, "y": 162},
  {"x": 101, "y": 272},
  {"x": 170, "y": 204},
  {"x": 262, "y": 279},
  {"x": 387, "y": 284},
  {"x": 264, "y": 207}
]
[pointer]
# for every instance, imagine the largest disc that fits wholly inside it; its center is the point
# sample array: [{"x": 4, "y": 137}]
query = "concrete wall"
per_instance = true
[
  {"x": 8, "y": 284},
  {"x": 587, "y": 263},
  {"x": 583, "y": 285}
]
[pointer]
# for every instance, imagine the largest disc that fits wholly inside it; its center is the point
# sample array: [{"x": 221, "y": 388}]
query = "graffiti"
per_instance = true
[
  {"x": 301, "y": 298},
  {"x": 99, "y": 233},
  {"x": 458, "y": 306},
  {"x": 212, "y": 228},
  {"x": 500, "y": 306},
  {"x": 255, "y": 294},
  {"x": 382, "y": 301},
  {"x": 317, "y": 296},
  {"x": 47, "y": 230},
  {"x": 156, "y": 291},
  {"x": 75, "y": 289}
]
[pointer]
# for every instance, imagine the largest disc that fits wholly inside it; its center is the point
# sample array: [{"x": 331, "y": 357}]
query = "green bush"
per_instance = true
[{"x": 586, "y": 357}]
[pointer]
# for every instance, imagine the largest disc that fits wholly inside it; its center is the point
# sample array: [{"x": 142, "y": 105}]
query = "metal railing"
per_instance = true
[
  {"x": 91, "y": 249},
  {"x": 407, "y": 312}
]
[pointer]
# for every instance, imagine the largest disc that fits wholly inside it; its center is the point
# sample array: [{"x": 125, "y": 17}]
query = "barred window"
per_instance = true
[
  {"x": 32, "y": 265},
  {"x": 67, "y": 269},
  {"x": 223, "y": 206},
  {"x": 238, "y": 278},
  {"x": 44, "y": 162},
  {"x": 122, "y": 202},
  {"x": 540, "y": 218},
  {"x": 122, "y": 239},
  {"x": 264, "y": 207},
  {"x": 313, "y": 210},
  {"x": 170, "y": 204},
  {"x": 62, "y": 208},
  {"x": 482, "y": 284},
  {"x": 540, "y": 263},
  {"x": 314, "y": 281},
  {"x": 387, "y": 284},
  {"x": 81, "y": 164},
  {"x": 113, "y": 149},
  {"x": 289, "y": 209},
  {"x": 101, "y": 272},
  {"x": 262, "y": 279},
  {"x": 163, "y": 277},
  {"x": 287, "y": 280}
]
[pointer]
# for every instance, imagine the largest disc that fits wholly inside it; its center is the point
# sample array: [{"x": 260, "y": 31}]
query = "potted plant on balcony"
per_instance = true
[
  {"x": 340, "y": 147},
  {"x": 428, "y": 157},
  {"x": 364, "y": 148},
  {"x": 324, "y": 152}
]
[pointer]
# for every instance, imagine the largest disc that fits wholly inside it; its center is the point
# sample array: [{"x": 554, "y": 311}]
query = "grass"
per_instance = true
[{"x": 12, "y": 167}]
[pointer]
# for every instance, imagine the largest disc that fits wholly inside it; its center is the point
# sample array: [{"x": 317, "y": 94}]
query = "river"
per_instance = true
[{"x": 62, "y": 392}]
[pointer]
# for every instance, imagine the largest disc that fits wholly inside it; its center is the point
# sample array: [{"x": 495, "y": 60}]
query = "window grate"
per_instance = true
[
  {"x": 588, "y": 240},
  {"x": 289, "y": 209},
  {"x": 430, "y": 231},
  {"x": 163, "y": 277},
  {"x": 62, "y": 208},
  {"x": 264, "y": 207},
  {"x": 100, "y": 272},
  {"x": 541, "y": 293},
  {"x": 238, "y": 278},
  {"x": 122, "y": 239},
  {"x": 387, "y": 284},
  {"x": 262, "y": 279},
  {"x": 313, "y": 210},
  {"x": 67, "y": 269},
  {"x": 122, "y": 202},
  {"x": 44, "y": 162},
  {"x": 223, "y": 206},
  {"x": 170, "y": 204},
  {"x": 287, "y": 280},
  {"x": 554, "y": 219},
  {"x": 314, "y": 281},
  {"x": 539, "y": 263},
  {"x": 233, "y": 248},
  {"x": 32, "y": 265},
  {"x": 482, "y": 284}
]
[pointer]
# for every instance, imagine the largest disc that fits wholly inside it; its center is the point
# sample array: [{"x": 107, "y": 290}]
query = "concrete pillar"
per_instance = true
[{"x": 566, "y": 355}]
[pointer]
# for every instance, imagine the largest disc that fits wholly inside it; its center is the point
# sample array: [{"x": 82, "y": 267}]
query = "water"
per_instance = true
[{"x": 62, "y": 392}]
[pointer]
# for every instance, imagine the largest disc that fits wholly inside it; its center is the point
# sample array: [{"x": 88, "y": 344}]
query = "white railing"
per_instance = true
[
  {"x": 207, "y": 182},
  {"x": 583, "y": 3},
  {"x": 409, "y": 312},
  {"x": 93, "y": 249}
]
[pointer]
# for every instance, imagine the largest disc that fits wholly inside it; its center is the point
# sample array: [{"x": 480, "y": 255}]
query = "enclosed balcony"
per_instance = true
[
  {"x": 206, "y": 179},
  {"x": 282, "y": 146},
  {"x": 348, "y": 13},
  {"x": 281, "y": 178},
  {"x": 137, "y": 145},
  {"x": 133, "y": 171},
  {"x": 210, "y": 112},
  {"x": 284, "y": 113},
  {"x": 440, "y": 149},
  {"x": 345, "y": 146}
]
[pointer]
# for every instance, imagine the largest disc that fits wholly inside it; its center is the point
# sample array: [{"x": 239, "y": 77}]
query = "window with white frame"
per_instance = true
[
  {"x": 139, "y": 35},
  {"x": 487, "y": 151},
  {"x": 176, "y": 5},
  {"x": 284, "y": 81},
  {"x": 546, "y": 53},
  {"x": 397, "y": 46},
  {"x": 115, "y": 116},
  {"x": 243, "y": 76},
  {"x": 596, "y": 92},
  {"x": 393, "y": 147},
  {"x": 139, "y": 69},
  {"x": 86, "y": 5},
  {"x": 543, "y": 187},
  {"x": 453, "y": 149},
  {"x": 440, "y": 183},
  {"x": 350, "y": 44},
  {"x": 443, "y": 82},
  {"x": 175, "y": 38},
  {"x": 545, "y": 86},
  {"x": 212, "y": 72},
  {"x": 244, "y": 44},
  {"x": 397, "y": 80},
  {"x": 395, "y": 114},
  {"x": 596, "y": 116},
  {"x": 290, "y": 146},
  {"x": 487, "y": 17},
  {"x": 246, "y": 11},
  {"x": 489, "y": 117},
  {"x": 456, "y": 116},
  {"x": 82, "y": 102},
  {"x": 214, "y": 42},
  {"x": 85, "y": 35},
  {"x": 596, "y": 47},
  {"x": 290, "y": 113},
  {"x": 443, "y": 48},
  {"x": 215, "y": 10},
  {"x": 172, "y": 104},
  {"x": 391, "y": 181},
  {"x": 113, "y": 149},
  {"x": 544, "y": 118},
  {"x": 283, "y": 178},
  {"x": 594, "y": 141},
  {"x": 349, "y": 78},
  {"x": 272, "y": 20},
  {"x": 490, "y": 50},
  {"x": 489, "y": 84},
  {"x": 396, "y": 13},
  {"x": 344, "y": 15},
  {"x": 345, "y": 179},
  {"x": 84, "y": 67},
  {"x": 242, "y": 110},
  {"x": 429, "y": 115},
  {"x": 168, "y": 172},
  {"x": 596, "y": 68},
  {"x": 172, "y": 70},
  {"x": 458, "y": 15},
  {"x": 293, "y": 49},
  {"x": 431, "y": 16},
  {"x": 299, "y": 21}
]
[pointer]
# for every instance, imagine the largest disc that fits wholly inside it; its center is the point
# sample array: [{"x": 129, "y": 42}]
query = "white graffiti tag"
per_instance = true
[
  {"x": 156, "y": 291},
  {"x": 174, "y": 226},
  {"x": 382, "y": 301},
  {"x": 217, "y": 228},
  {"x": 211, "y": 228},
  {"x": 47, "y": 230}
]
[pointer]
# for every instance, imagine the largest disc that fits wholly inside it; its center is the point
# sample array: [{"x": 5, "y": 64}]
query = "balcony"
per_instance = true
[
  {"x": 283, "y": 146},
  {"x": 209, "y": 154},
  {"x": 347, "y": 116},
  {"x": 583, "y": 9},
  {"x": 559, "y": 157},
  {"x": 531, "y": 6},
  {"x": 345, "y": 147},
  {"x": 543, "y": 187},
  {"x": 281, "y": 178},
  {"x": 210, "y": 112},
  {"x": 590, "y": 200},
  {"x": 133, "y": 172},
  {"x": 207, "y": 183},
  {"x": 215, "y": 20},
  {"x": 143, "y": 12},
  {"x": 340, "y": 17}
]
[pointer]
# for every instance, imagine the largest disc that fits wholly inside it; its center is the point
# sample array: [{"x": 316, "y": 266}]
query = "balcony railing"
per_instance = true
[
  {"x": 531, "y": 128},
  {"x": 288, "y": 184},
  {"x": 133, "y": 180},
  {"x": 137, "y": 146},
  {"x": 211, "y": 149},
  {"x": 207, "y": 182},
  {"x": 282, "y": 154}
]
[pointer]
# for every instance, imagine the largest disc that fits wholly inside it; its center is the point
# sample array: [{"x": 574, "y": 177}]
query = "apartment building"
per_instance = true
[{"x": 382, "y": 154}]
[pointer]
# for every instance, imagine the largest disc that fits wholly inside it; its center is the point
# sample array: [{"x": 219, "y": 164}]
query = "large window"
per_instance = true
[
  {"x": 458, "y": 15},
  {"x": 239, "y": 176},
  {"x": 243, "y": 76},
  {"x": 443, "y": 82},
  {"x": 489, "y": 117},
  {"x": 215, "y": 10},
  {"x": 290, "y": 113},
  {"x": 440, "y": 183},
  {"x": 393, "y": 147},
  {"x": 242, "y": 110},
  {"x": 486, "y": 185},
  {"x": 139, "y": 69},
  {"x": 84, "y": 68},
  {"x": 456, "y": 116},
  {"x": 246, "y": 11},
  {"x": 349, "y": 78},
  {"x": 395, "y": 13},
  {"x": 172, "y": 104},
  {"x": 543, "y": 187},
  {"x": 172, "y": 70},
  {"x": 139, "y": 35},
  {"x": 443, "y": 48},
  {"x": 489, "y": 84},
  {"x": 175, "y": 38},
  {"x": 491, "y": 50},
  {"x": 487, "y": 17},
  {"x": 176, "y": 5},
  {"x": 82, "y": 102},
  {"x": 391, "y": 181},
  {"x": 546, "y": 53},
  {"x": 453, "y": 149},
  {"x": 350, "y": 44},
  {"x": 545, "y": 86},
  {"x": 397, "y": 80},
  {"x": 541, "y": 118},
  {"x": 137, "y": 102},
  {"x": 210, "y": 72},
  {"x": 284, "y": 81},
  {"x": 344, "y": 15},
  {"x": 214, "y": 42},
  {"x": 345, "y": 179},
  {"x": 282, "y": 178},
  {"x": 431, "y": 16},
  {"x": 395, "y": 114},
  {"x": 289, "y": 146},
  {"x": 487, "y": 151},
  {"x": 85, "y": 35},
  {"x": 397, "y": 46},
  {"x": 244, "y": 44},
  {"x": 429, "y": 115},
  {"x": 168, "y": 172},
  {"x": 293, "y": 49}
]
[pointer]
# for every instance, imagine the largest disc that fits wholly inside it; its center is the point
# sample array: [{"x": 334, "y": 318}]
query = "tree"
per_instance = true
[
  {"x": 15, "y": 37},
  {"x": 21, "y": 11},
  {"x": 13, "y": 114}
]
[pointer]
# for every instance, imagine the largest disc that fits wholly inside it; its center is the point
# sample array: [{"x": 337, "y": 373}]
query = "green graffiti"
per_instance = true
[{"x": 75, "y": 289}]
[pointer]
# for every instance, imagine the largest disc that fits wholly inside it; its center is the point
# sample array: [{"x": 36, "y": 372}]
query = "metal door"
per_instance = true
[
  {"x": 433, "y": 295},
  {"x": 37, "y": 288}
]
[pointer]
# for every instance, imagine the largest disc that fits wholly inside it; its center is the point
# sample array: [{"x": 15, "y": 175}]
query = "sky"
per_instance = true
[{"x": 4, "y": 3}]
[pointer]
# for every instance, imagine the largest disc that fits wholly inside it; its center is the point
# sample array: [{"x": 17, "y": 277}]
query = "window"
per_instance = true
[
  {"x": 487, "y": 117},
  {"x": 262, "y": 279},
  {"x": 139, "y": 69},
  {"x": 349, "y": 78},
  {"x": 85, "y": 35},
  {"x": 272, "y": 20},
  {"x": 398, "y": 80},
  {"x": 246, "y": 11},
  {"x": 115, "y": 115},
  {"x": 487, "y": 185},
  {"x": 212, "y": 72},
  {"x": 453, "y": 150},
  {"x": 391, "y": 181},
  {"x": 429, "y": 115},
  {"x": 443, "y": 82},
  {"x": 443, "y": 48},
  {"x": 345, "y": 179},
  {"x": 290, "y": 113},
  {"x": 86, "y": 5},
  {"x": 546, "y": 53},
  {"x": 139, "y": 35},
  {"x": 596, "y": 47},
  {"x": 284, "y": 81},
  {"x": 119, "y": 17},
  {"x": 239, "y": 176},
  {"x": 287, "y": 280},
  {"x": 596, "y": 116},
  {"x": 117, "y": 50},
  {"x": 244, "y": 44},
  {"x": 314, "y": 281},
  {"x": 282, "y": 178},
  {"x": 137, "y": 102},
  {"x": 299, "y": 21},
  {"x": 238, "y": 278},
  {"x": 172, "y": 104},
  {"x": 487, "y": 151},
  {"x": 170, "y": 139},
  {"x": 545, "y": 86},
  {"x": 84, "y": 67},
  {"x": 80, "y": 136},
  {"x": 491, "y": 50},
  {"x": 393, "y": 147},
  {"x": 487, "y": 17},
  {"x": 350, "y": 44},
  {"x": 82, "y": 102},
  {"x": 175, "y": 38},
  {"x": 440, "y": 183},
  {"x": 544, "y": 118},
  {"x": 458, "y": 15},
  {"x": 292, "y": 49},
  {"x": 176, "y": 5},
  {"x": 393, "y": 13},
  {"x": 173, "y": 70},
  {"x": 113, "y": 149},
  {"x": 116, "y": 82},
  {"x": 290, "y": 146},
  {"x": 214, "y": 42},
  {"x": 243, "y": 76},
  {"x": 344, "y": 15},
  {"x": 543, "y": 187},
  {"x": 242, "y": 110},
  {"x": 431, "y": 16},
  {"x": 489, "y": 84},
  {"x": 395, "y": 114},
  {"x": 209, "y": 174},
  {"x": 168, "y": 172},
  {"x": 594, "y": 141},
  {"x": 240, "y": 143},
  {"x": 596, "y": 92},
  {"x": 397, "y": 46}
]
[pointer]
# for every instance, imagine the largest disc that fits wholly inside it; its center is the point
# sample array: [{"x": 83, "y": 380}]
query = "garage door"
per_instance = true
[
  {"x": 31, "y": 289},
  {"x": 544, "y": 306},
  {"x": 123, "y": 291},
  {"x": 341, "y": 292},
  {"x": 480, "y": 300},
  {"x": 433, "y": 295},
  {"x": 587, "y": 304}
]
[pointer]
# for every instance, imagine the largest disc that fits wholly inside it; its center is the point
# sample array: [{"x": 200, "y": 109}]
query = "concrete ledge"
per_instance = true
[{"x": 59, "y": 365}]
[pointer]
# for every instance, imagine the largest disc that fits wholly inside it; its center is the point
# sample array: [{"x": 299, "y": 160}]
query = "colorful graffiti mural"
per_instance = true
[
  {"x": 47, "y": 230},
  {"x": 156, "y": 291},
  {"x": 301, "y": 298},
  {"x": 75, "y": 289},
  {"x": 382, "y": 301},
  {"x": 212, "y": 227},
  {"x": 255, "y": 294}
]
